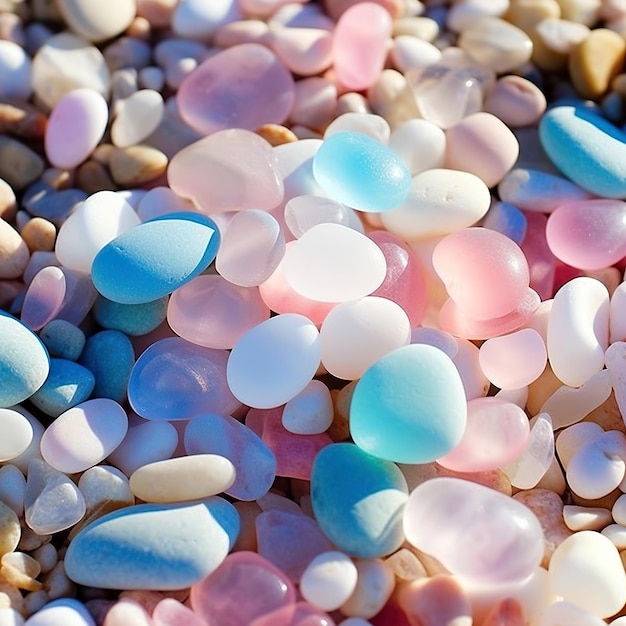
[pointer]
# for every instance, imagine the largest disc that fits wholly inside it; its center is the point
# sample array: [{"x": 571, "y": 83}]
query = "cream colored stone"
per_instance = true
[
  {"x": 97, "y": 21},
  {"x": 14, "y": 253},
  {"x": 10, "y": 530}
]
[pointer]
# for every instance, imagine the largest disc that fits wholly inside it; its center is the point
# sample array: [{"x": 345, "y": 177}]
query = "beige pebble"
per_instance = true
[
  {"x": 136, "y": 165},
  {"x": 21, "y": 570},
  {"x": 516, "y": 101},
  {"x": 561, "y": 36},
  {"x": 276, "y": 134},
  {"x": 586, "y": 518},
  {"x": 92, "y": 177},
  {"x": 391, "y": 97},
  {"x": 22, "y": 120},
  {"x": 30, "y": 540},
  {"x": 340, "y": 428},
  {"x": 8, "y": 204},
  {"x": 10, "y": 596},
  {"x": 19, "y": 165},
  {"x": 10, "y": 531},
  {"x": 607, "y": 415},
  {"x": 554, "y": 479},
  {"x": 139, "y": 28},
  {"x": 527, "y": 13},
  {"x": 596, "y": 61},
  {"x": 405, "y": 565},
  {"x": 57, "y": 584},
  {"x": 583, "y": 11},
  {"x": 14, "y": 253},
  {"x": 541, "y": 389},
  {"x": 39, "y": 234},
  {"x": 352, "y": 102},
  {"x": 96, "y": 21},
  {"x": 424, "y": 28}
]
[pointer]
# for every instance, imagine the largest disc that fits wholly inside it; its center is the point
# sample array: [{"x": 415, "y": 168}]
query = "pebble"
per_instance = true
[
  {"x": 131, "y": 319},
  {"x": 409, "y": 52},
  {"x": 304, "y": 51},
  {"x": 516, "y": 101},
  {"x": 132, "y": 548},
  {"x": 137, "y": 117},
  {"x": 136, "y": 165},
  {"x": 420, "y": 143},
  {"x": 18, "y": 434},
  {"x": 170, "y": 612},
  {"x": 586, "y": 518},
  {"x": 15, "y": 70},
  {"x": 95, "y": 23},
  {"x": 14, "y": 253},
  {"x": 329, "y": 580},
  {"x": 310, "y": 412},
  {"x": 67, "y": 611},
  {"x": 13, "y": 485},
  {"x": 39, "y": 234},
  {"x": 304, "y": 212},
  {"x": 368, "y": 124},
  {"x": 104, "y": 484},
  {"x": 195, "y": 19},
  {"x": 19, "y": 165},
  {"x": 11, "y": 530},
  {"x": 374, "y": 586}
]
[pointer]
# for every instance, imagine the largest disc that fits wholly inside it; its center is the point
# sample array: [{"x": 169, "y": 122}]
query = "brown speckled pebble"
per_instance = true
[
  {"x": 516, "y": 101},
  {"x": 136, "y": 165},
  {"x": 14, "y": 253}
]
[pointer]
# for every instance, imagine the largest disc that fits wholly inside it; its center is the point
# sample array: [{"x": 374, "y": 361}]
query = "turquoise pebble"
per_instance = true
[
  {"x": 63, "y": 339},
  {"x": 153, "y": 259},
  {"x": 67, "y": 385},
  {"x": 358, "y": 500},
  {"x": 587, "y": 148},
  {"x": 361, "y": 172},
  {"x": 153, "y": 546},
  {"x": 24, "y": 361},
  {"x": 110, "y": 356},
  {"x": 132, "y": 319},
  {"x": 410, "y": 406}
]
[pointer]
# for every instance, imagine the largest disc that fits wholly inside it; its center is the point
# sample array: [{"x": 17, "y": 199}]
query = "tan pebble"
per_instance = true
[
  {"x": 586, "y": 518},
  {"x": 596, "y": 61},
  {"x": 21, "y": 570},
  {"x": 619, "y": 84},
  {"x": 139, "y": 28},
  {"x": 421, "y": 27},
  {"x": 30, "y": 540},
  {"x": 19, "y": 165},
  {"x": 35, "y": 601},
  {"x": 102, "y": 154},
  {"x": 57, "y": 584},
  {"x": 583, "y": 11},
  {"x": 248, "y": 512},
  {"x": 507, "y": 612},
  {"x": 516, "y": 101},
  {"x": 527, "y": 13},
  {"x": 92, "y": 177},
  {"x": 22, "y": 120},
  {"x": 14, "y": 253},
  {"x": 10, "y": 596},
  {"x": 405, "y": 565},
  {"x": 541, "y": 389},
  {"x": 607, "y": 415},
  {"x": 275, "y": 134},
  {"x": 136, "y": 165},
  {"x": 39, "y": 234},
  {"x": 554, "y": 479},
  {"x": 339, "y": 430},
  {"x": 605, "y": 502},
  {"x": 391, "y": 97},
  {"x": 8, "y": 205},
  {"x": 10, "y": 530}
]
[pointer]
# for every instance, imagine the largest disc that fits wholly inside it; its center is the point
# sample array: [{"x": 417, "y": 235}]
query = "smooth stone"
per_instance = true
[
  {"x": 175, "y": 379},
  {"x": 19, "y": 165},
  {"x": 53, "y": 205},
  {"x": 138, "y": 266},
  {"x": 161, "y": 200},
  {"x": 314, "y": 103},
  {"x": 508, "y": 220},
  {"x": 130, "y": 319},
  {"x": 420, "y": 143},
  {"x": 304, "y": 212},
  {"x": 310, "y": 412},
  {"x": 206, "y": 98},
  {"x": 95, "y": 22},
  {"x": 254, "y": 462},
  {"x": 294, "y": 162},
  {"x": 15, "y": 71},
  {"x": 14, "y": 253},
  {"x": 18, "y": 434},
  {"x": 304, "y": 51},
  {"x": 12, "y": 490},
  {"x": 617, "y": 325},
  {"x": 10, "y": 529},
  {"x": 103, "y": 483},
  {"x": 32, "y": 452},
  {"x": 409, "y": 52},
  {"x": 136, "y": 165},
  {"x": 137, "y": 117},
  {"x": 67, "y": 611},
  {"x": 147, "y": 546},
  {"x": 128, "y": 52},
  {"x": 170, "y": 612},
  {"x": 43, "y": 298},
  {"x": 24, "y": 362},
  {"x": 195, "y": 19},
  {"x": 39, "y": 234},
  {"x": 516, "y": 101},
  {"x": 66, "y": 62},
  {"x": 369, "y": 124},
  {"x": 587, "y": 518},
  {"x": 329, "y": 580}
]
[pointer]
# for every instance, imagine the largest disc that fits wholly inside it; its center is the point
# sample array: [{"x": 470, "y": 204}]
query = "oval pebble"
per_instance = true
[
  {"x": 138, "y": 116},
  {"x": 97, "y": 22},
  {"x": 419, "y": 390},
  {"x": 290, "y": 347},
  {"x": 516, "y": 101},
  {"x": 490, "y": 538},
  {"x": 14, "y": 253},
  {"x": 15, "y": 71},
  {"x": 148, "y": 546},
  {"x": 329, "y": 580},
  {"x": 361, "y": 172},
  {"x": 304, "y": 212},
  {"x": 310, "y": 412},
  {"x": 66, "y": 611},
  {"x": 84, "y": 435},
  {"x": 361, "y": 518},
  {"x": 139, "y": 265},
  {"x": 195, "y": 19},
  {"x": 17, "y": 434}
]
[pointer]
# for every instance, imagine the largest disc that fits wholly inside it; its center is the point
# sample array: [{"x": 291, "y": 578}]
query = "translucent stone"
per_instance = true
[
  {"x": 304, "y": 212},
  {"x": 44, "y": 298},
  {"x": 329, "y": 580},
  {"x": 137, "y": 117},
  {"x": 369, "y": 124},
  {"x": 103, "y": 483},
  {"x": 311, "y": 411}
]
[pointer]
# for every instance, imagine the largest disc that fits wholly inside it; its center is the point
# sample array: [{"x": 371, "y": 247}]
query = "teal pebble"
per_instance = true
[
  {"x": 24, "y": 361},
  {"x": 132, "y": 319},
  {"x": 587, "y": 148},
  {"x": 63, "y": 339},
  {"x": 153, "y": 546},
  {"x": 110, "y": 356},
  {"x": 358, "y": 500},
  {"x": 67, "y": 385},
  {"x": 410, "y": 406},
  {"x": 361, "y": 172},
  {"x": 153, "y": 259}
]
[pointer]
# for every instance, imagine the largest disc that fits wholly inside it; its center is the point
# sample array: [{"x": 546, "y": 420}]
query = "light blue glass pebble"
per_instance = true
[
  {"x": 67, "y": 385},
  {"x": 358, "y": 500},
  {"x": 587, "y": 148},
  {"x": 410, "y": 406},
  {"x": 153, "y": 546},
  {"x": 24, "y": 361},
  {"x": 361, "y": 172},
  {"x": 132, "y": 319},
  {"x": 153, "y": 259},
  {"x": 506, "y": 219},
  {"x": 63, "y": 339},
  {"x": 110, "y": 356}
]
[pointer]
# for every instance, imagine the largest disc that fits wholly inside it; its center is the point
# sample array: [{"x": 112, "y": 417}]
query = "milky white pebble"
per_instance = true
[
  {"x": 84, "y": 435},
  {"x": 369, "y": 124},
  {"x": 185, "y": 478},
  {"x": 561, "y": 35},
  {"x": 10, "y": 617},
  {"x": 462, "y": 14},
  {"x": 17, "y": 433},
  {"x": 328, "y": 580},
  {"x": 15, "y": 71},
  {"x": 574, "y": 437},
  {"x": 160, "y": 201},
  {"x": 467, "y": 363},
  {"x": 97, "y": 21},
  {"x": 563, "y": 613},
  {"x": 65, "y": 611},
  {"x": 97, "y": 221},
  {"x": 586, "y": 569},
  {"x": 585, "y": 517},
  {"x": 617, "y": 534},
  {"x": 437, "y": 338},
  {"x": 420, "y": 144},
  {"x": 103, "y": 482},
  {"x": 198, "y": 19},
  {"x": 304, "y": 212},
  {"x": 310, "y": 412},
  {"x": 75, "y": 127},
  {"x": 333, "y": 263},
  {"x": 33, "y": 451},
  {"x": 617, "y": 316},
  {"x": 374, "y": 586},
  {"x": 409, "y": 52},
  {"x": 137, "y": 117},
  {"x": 12, "y": 488},
  {"x": 516, "y": 396}
]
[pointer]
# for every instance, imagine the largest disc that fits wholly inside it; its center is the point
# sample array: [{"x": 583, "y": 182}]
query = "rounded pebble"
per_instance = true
[
  {"x": 67, "y": 611},
  {"x": 329, "y": 580},
  {"x": 310, "y": 412},
  {"x": 95, "y": 22},
  {"x": 17, "y": 434},
  {"x": 15, "y": 70},
  {"x": 137, "y": 117}
]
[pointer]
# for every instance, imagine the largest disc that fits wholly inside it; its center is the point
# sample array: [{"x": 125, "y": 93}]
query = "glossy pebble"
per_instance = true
[
  {"x": 75, "y": 127},
  {"x": 17, "y": 434},
  {"x": 490, "y": 538},
  {"x": 170, "y": 612},
  {"x": 15, "y": 69},
  {"x": 66, "y": 611},
  {"x": 138, "y": 266},
  {"x": 195, "y": 19},
  {"x": 329, "y": 580},
  {"x": 304, "y": 51},
  {"x": 361, "y": 172},
  {"x": 95, "y": 22},
  {"x": 361, "y": 518},
  {"x": 147, "y": 546},
  {"x": 44, "y": 298},
  {"x": 137, "y": 117},
  {"x": 420, "y": 143},
  {"x": 420, "y": 392},
  {"x": 304, "y": 212},
  {"x": 310, "y": 412},
  {"x": 516, "y": 101},
  {"x": 333, "y": 263}
]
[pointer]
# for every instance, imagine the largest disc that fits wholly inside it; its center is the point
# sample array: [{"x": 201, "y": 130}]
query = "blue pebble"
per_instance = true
[
  {"x": 361, "y": 172},
  {"x": 506, "y": 219},
  {"x": 587, "y": 148},
  {"x": 153, "y": 259},
  {"x": 63, "y": 339},
  {"x": 132, "y": 319},
  {"x": 358, "y": 500},
  {"x": 110, "y": 356},
  {"x": 53, "y": 205},
  {"x": 67, "y": 385},
  {"x": 153, "y": 546},
  {"x": 24, "y": 361}
]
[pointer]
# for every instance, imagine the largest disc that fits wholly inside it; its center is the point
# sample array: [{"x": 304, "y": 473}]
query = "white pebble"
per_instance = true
[
  {"x": 10, "y": 617},
  {"x": 420, "y": 144},
  {"x": 409, "y": 52},
  {"x": 574, "y": 437},
  {"x": 618, "y": 511},
  {"x": 329, "y": 580},
  {"x": 617, "y": 534},
  {"x": 304, "y": 212},
  {"x": 563, "y": 612},
  {"x": 12, "y": 488},
  {"x": 585, "y": 517},
  {"x": 198, "y": 19},
  {"x": 17, "y": 434},
  {"x": 103, "y": 482},
  {"x": 617, "y": 316},
  {"x": 310, "y": 412},
  {"x": 375, "y": 584},
  {"x": 369, "y": 124},
  {"x": 15, "y": 71},
  {"x": 138, "y": 116}
]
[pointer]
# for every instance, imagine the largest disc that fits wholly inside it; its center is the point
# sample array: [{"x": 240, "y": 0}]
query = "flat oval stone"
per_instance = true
[
  {"x": 95, "y": 21},
  {"x": 218, "y": 93},
  {"x": 149, "y": 546},
  {"x": 587, "y": 148},
  {"x": 516, "y": 101},
  {"x": 419, "y": 391},
  {"x": 24, "y": 361},
  {"x": 357, "y": 500},
  {"x": 139, "y": 265},
  {"x": 17, "y": 433}
]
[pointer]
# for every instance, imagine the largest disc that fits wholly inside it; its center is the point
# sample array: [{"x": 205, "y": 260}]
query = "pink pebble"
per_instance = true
[
  {"x": 360, "y": 45},
  {"x": 516, "y": 101},
  {"x": 170, "y": 612},
  {"x": 127, "y": 612},
  {"x": 495, "y": 435},
  {"x": 44, "y": 297},
  {"x": 245, "y": 86},
  {"x": 541, "y": 261},
  {"x": 590, "y": 234},
  {"x": 304, "y": 51}
]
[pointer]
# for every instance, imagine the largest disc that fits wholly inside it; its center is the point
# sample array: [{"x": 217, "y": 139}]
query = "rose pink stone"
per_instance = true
[
  {"x": 304, "y": 51},
  {"x": 302, "y": 614},
  {"x": 541, "y": 261},
  {"x": 245, "y": 86},
  {"x": 170, "y": 612},
  {"x": 44, "y": 297}
]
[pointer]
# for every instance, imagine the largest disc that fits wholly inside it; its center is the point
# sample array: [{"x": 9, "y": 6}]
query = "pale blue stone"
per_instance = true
[
  {"x": 63, "y": 339},
  {"x": 153, "y": 546},
  {"x": 132, "y": 319}
]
